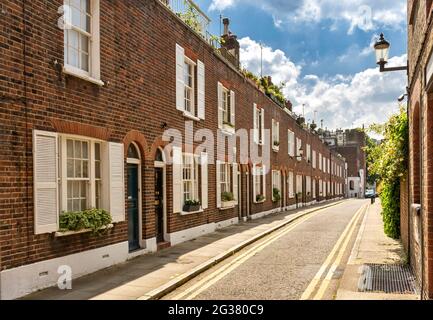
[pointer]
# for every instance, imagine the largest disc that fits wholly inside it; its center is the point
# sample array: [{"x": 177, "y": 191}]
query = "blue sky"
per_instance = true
[{"x": 322, "y": 50}]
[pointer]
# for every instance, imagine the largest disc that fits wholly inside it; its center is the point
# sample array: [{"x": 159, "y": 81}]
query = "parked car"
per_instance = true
[{"x": 370, "y": 194}]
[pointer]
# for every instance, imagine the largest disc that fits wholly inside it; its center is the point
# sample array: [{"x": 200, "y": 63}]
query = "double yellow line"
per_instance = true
[
  {"x": 212, "y": 278},
  {"x": 337, "y": 252}
]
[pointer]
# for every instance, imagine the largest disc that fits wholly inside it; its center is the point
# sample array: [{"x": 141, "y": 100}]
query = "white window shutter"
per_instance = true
[
  {"x": 218, "y": 184},
  {"x": 256, "y": 125},
  {"x": 200, "y": 90},
  {"x": 263, "y": 125},
  {"x": 46, "y": 199},
  {"x": 293, "y": 144},
  {"x": 177, "y": 180},
  {"x": 180, "y": 84},
  {"x": 220, "y": 106},
  {"x": 204, "y": 181},
  {"x": 235, "y": 182},
  {"x": 232, "y": 107},
  {"x": 117, "y": 182}
]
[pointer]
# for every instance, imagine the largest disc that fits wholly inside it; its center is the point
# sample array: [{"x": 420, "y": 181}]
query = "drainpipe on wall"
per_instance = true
[{"x": 421, "y": 130}]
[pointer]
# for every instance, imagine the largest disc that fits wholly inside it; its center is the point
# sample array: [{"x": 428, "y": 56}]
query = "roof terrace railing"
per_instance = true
[{"x": 191, "y": 14}]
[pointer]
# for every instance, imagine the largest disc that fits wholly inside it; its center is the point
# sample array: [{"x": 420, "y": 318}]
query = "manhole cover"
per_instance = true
[{"x": 396, "y": 279}]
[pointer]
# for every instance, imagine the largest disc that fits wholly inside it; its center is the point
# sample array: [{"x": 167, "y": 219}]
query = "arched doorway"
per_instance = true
[
  {"x": 134, "y": 197},
  {"x": 160, "y": 197}
]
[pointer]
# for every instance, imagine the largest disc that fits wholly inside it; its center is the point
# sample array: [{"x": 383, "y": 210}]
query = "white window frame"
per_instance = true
[
  {"x": 299, "y": 184},
  {"x": 259, "y": 182},
  {"x": 308, "y": 153},
  {"x": 298, "y": 149},
  {"x": 226, "y": 169},
  {"x": 291, "y": 143},
  {"x": 225, "y": 107},
  {"x": 193, "y": 112},
  {"x": 193, "y": 179},
  {"x": 259, "y": 126},
  {"x": 275, "y": 135},
  {"x": 314, "y": 159},
  {"x": 94, "y": 73},
  {"x": 92, "y": 180},
  {"x": 276, "y": 182},
  {"x": 291, "y": 182},
  {"x": 308, "y": 185}
]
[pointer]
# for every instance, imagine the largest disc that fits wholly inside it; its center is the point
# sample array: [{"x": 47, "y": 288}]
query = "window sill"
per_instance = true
[
  {"x": 76, "y": 73},
  {"x": 228, "y": 205},
  {"x": 228, "y": 130},
  {"x": 259, "y": 202},
  {"x": 275, "y": 149},
  {"x": 184, "y": 213},
  {"x": 60, "y": 234},
  {"x": 190, "y": 116}
]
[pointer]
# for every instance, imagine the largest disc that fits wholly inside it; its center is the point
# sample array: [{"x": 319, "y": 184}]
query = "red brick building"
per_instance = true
[
  {"x": 84, "y": 106},
  {"x": 417, "y": 218}
]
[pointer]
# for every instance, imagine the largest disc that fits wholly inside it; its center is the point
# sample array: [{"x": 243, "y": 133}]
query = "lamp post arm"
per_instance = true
[{"x": 384, "y": 69}]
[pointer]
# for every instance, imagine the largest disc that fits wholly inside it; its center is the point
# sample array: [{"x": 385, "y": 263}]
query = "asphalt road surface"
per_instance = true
[{"x": 304, "y": 260}]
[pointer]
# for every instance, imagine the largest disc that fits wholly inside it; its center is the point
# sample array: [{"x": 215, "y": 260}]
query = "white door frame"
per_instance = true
[{"x": 162, "y": 164}]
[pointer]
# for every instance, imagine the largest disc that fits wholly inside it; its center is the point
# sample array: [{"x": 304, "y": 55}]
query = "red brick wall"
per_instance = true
[
  {"x": 138, "y": 59},
  {"x": 420, "y": 48}
]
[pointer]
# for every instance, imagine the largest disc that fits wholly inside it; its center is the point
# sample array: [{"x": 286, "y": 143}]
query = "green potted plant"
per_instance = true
[
  {"x": 227, "y": 199},
  {"x": 191, "y": 206},
  {"x": 300, "y": 120},
  {"x": 260, "y": 198},
  {"x": 276, "y": 196},
  {"x": 276, "y": 144},
  {"x": 94, "y": 220}
]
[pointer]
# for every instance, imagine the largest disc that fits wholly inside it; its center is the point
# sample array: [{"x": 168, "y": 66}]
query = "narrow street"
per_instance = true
[{"x": 304, "y": 260}]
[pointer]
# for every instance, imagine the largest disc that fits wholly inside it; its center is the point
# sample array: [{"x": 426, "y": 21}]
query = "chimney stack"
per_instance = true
[
  {"x": 230, "y": 47},
  {"x": 226, "y": 23}
]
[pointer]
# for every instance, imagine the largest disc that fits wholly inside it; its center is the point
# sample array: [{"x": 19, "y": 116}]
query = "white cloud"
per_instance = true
[
  {"x": 221, "y": 4},
  {"x": 363, "y": 14},
  {"x": 342, "y": 101}
]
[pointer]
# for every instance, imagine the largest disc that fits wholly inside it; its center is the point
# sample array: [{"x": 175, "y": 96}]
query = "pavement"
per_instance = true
[
  {"x": 372, "y": 246},
  {"x": 155, "y": 275}
]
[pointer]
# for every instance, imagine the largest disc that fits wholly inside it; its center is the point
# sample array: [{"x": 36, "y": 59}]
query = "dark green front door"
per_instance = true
[
  {"x": 133, "y": 207},
  {"x": 159, "y": 203}
]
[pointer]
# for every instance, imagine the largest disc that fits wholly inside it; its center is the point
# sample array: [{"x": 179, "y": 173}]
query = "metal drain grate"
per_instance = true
[{"x": 396, "y": 279}]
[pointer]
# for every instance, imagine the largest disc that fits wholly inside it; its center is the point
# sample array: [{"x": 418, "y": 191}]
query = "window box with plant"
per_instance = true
[
  {"x": 260, "y": 198},
  {"x": 96, "y": 221},
  {"x": 227, "y": 200},
  {"x": 191, "y": 206},
  {"x": 276, "y": 145},
  {"x": 276, "y": 195}
]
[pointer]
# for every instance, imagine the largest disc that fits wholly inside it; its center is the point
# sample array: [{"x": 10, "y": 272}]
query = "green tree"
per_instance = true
[{"x": 388, "y": 161}]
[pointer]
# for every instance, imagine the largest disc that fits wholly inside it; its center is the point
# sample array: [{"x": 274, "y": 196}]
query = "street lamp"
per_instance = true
[{"x": 382, "y": 54}]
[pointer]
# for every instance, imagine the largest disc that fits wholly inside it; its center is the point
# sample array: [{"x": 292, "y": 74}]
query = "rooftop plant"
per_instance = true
[{"x": 268, "y": 87}]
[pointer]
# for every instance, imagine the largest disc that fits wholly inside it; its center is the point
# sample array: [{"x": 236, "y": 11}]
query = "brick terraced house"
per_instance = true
[
  {"x": 417, "y": 198},
  {"x": 84, "y": 104}
]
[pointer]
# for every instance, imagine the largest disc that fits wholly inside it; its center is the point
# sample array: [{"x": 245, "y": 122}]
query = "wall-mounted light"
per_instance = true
[{"x": 381, "y": 48}]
